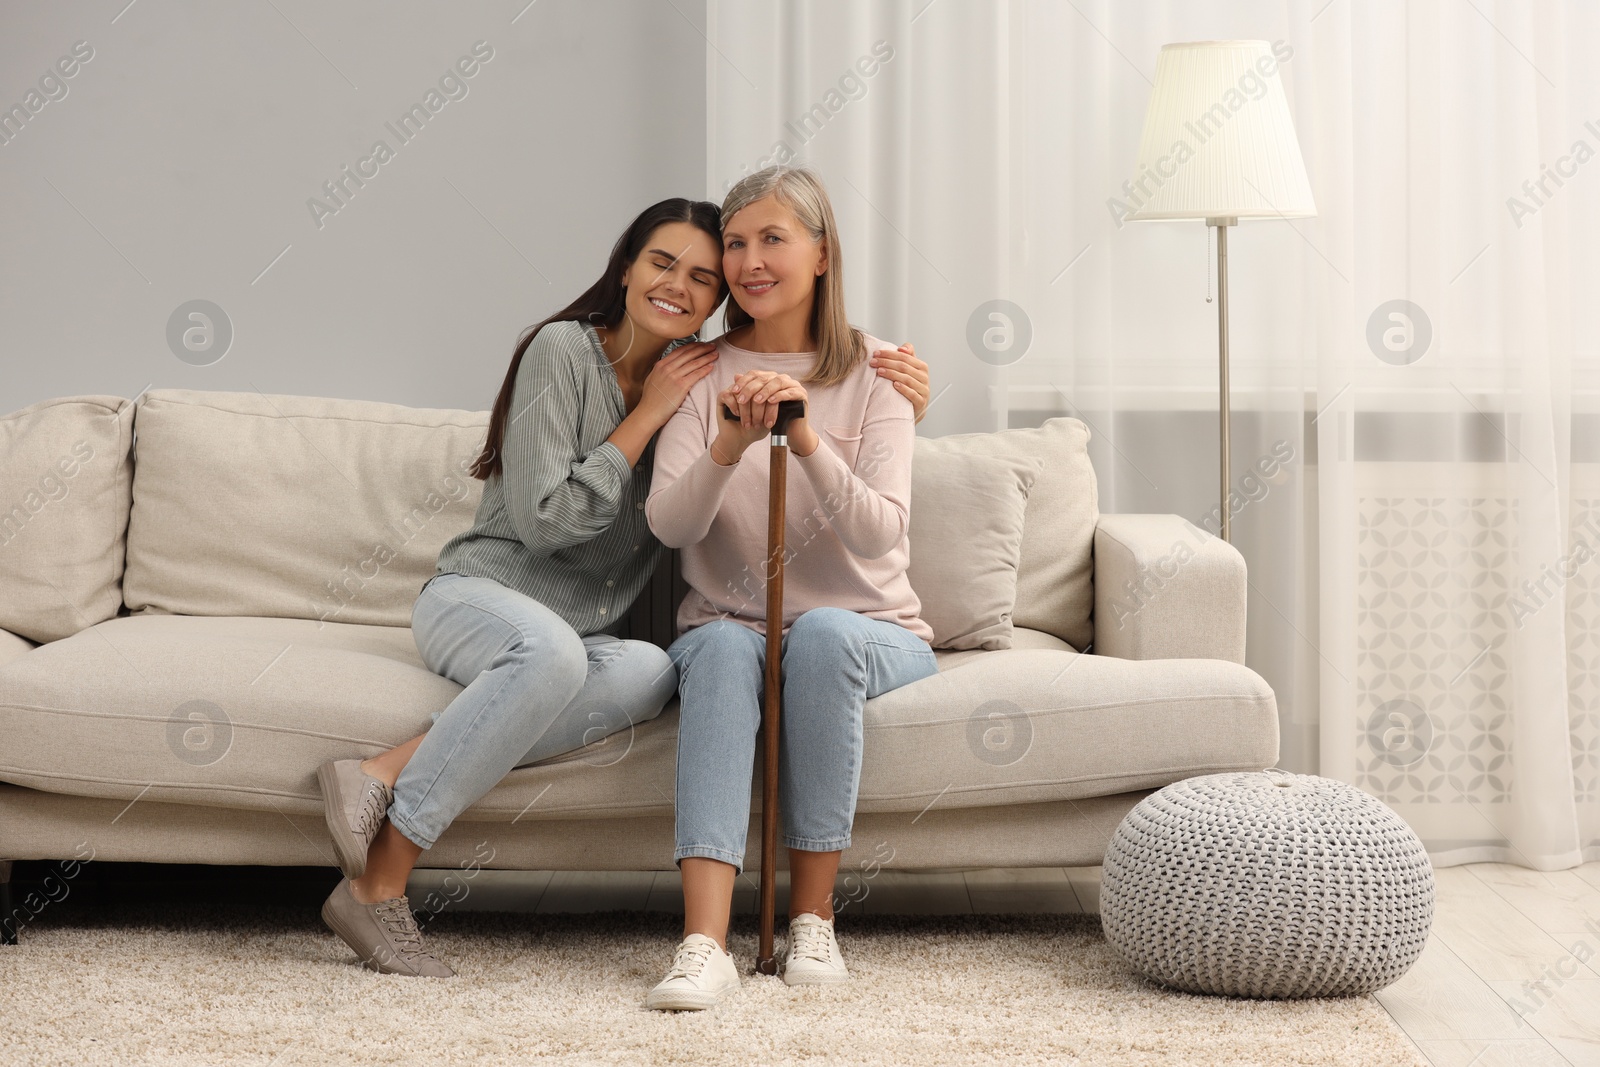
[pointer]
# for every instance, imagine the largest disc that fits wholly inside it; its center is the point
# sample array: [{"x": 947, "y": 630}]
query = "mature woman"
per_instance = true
[{"x": 851, "y": 625}]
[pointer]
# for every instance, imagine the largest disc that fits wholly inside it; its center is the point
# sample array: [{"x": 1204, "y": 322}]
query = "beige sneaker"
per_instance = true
[
  {"x": 813, "y": 957},
  {"x": 354, "y": 804},
  {"x": 384, "y": 934},
  {"x": 701, "y": 973}
]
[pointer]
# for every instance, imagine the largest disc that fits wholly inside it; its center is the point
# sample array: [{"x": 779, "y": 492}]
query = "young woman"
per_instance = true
[
  {"x": 851, "y": 625},
  {"x": 521, "y": 604},
  {"x": 521, "y": 608}
]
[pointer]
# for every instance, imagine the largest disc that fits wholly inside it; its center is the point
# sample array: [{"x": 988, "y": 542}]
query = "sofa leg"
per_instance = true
[{"x": 8, "y": 929}]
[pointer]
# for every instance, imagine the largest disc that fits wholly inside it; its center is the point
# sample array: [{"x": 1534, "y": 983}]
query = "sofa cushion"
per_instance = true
[
  {"x": 966, "y": 537},
  {"x": 246, "y": 504},
  {"x": 239, "y": 712},
  {"x": 12, "y": 646},
  {"x": 1055, "y": 577},
  {"x": 64, "y": 497},
  {"x": 1021, "y": 726},
  {"x": 1021, "y": 637}
]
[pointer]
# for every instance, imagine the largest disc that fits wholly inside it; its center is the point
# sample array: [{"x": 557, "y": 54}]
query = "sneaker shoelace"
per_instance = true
[
  {"x": 810, "y": 941},
  {"x": 401, "y": 926},
  {"x": 690, "y": 960},
  {"x": 374, "y": 809}
]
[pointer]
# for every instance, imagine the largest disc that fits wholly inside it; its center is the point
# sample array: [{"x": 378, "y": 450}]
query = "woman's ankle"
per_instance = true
[
  {"x": 382, "y": 772},
  {"x": 386, "y": 766},
  {"x": 369, "y": 890},
  {"x": 390, "y": 860}
]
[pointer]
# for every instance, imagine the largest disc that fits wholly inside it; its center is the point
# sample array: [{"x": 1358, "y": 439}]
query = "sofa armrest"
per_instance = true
[{"x": 1166, "y": 589}]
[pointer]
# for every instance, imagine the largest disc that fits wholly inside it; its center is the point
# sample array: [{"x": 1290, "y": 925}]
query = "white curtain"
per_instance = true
[{"x": 1416, "y": 442}]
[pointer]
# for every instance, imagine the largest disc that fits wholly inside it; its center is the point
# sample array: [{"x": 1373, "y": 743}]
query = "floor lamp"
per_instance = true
[{"x": 1218, "y": 145}]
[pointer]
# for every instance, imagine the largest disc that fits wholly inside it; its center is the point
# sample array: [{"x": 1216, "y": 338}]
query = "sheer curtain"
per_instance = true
[{"x": 1416, "y": 447}]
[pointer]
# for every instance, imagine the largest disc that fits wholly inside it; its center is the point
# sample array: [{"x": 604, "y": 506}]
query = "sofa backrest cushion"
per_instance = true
[
  {"x": 966, "y": 541},
  {"x": 1055, "y": 577},
  {"x": 65, "y": 476},
  {"x": 294, "y": 507}
]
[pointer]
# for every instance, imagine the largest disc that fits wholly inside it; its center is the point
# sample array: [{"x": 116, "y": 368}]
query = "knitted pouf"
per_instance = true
[{"x": 1266, "y": 884}]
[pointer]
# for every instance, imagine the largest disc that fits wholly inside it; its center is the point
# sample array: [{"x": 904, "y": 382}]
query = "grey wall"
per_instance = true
[{"x": 178, "y": 164}]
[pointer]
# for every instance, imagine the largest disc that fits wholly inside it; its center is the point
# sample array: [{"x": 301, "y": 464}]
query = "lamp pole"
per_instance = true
[{"x": 1222, "y": 223}]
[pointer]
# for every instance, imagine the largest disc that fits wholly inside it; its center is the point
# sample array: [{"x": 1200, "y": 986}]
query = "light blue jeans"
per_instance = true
[
  {"x": 834, "y": 660},
  {"x": 533, "y": 689}
]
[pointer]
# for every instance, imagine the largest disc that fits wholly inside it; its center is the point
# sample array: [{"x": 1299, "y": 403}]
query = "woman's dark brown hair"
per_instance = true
[{"x": 600, "y": 305}]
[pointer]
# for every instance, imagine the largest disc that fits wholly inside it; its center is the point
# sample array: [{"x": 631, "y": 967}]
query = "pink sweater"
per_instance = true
[{"x": 848, "y": 510}]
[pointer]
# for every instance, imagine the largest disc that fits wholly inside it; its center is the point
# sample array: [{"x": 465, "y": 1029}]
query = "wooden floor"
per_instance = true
[{"x": 1511, "y": 974}]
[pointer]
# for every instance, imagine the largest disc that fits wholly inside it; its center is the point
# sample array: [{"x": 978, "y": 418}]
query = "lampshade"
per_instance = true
[{"x": 1218, "y": 141}]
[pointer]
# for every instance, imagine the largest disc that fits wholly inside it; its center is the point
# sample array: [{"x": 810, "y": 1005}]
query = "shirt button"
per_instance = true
[
  {"x": 602, "y": 611},
  {"x": 636, "y": 548},
  {"x": 609, "y": 582},
  {"x": 640, "y": 505}
]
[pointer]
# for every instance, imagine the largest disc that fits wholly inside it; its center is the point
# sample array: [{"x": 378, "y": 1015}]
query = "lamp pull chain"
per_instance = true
[{"x": 1209, "y": 261}]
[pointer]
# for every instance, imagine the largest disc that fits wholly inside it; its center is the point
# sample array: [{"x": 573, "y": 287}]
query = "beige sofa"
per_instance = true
[{"x": 204, "y": 595}]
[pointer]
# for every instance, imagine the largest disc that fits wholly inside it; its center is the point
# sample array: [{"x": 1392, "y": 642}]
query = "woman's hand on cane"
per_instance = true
[{"x": 754, "y": 396}]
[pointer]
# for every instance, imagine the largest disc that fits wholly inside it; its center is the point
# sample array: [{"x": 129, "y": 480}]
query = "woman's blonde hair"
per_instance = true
[{"x": 840, "y": 346}]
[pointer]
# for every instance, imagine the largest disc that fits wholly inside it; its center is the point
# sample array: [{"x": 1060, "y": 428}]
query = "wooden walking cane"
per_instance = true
[{"x": 788, "y": 411}]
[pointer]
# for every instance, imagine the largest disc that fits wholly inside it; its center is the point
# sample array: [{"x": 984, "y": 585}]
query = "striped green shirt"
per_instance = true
[{"x": 564, "y": 519}]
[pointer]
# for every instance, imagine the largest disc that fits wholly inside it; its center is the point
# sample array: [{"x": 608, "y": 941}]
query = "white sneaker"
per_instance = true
[
  {"x": 813, "y": 957},
  {"x": 701, "y": 973}
]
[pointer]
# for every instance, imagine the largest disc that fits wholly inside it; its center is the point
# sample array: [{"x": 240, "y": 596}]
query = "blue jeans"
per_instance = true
[
  {"x": 533, "y": 689},
  {"x": 833, "y": 661}
]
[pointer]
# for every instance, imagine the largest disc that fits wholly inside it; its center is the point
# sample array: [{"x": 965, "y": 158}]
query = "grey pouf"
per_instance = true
[{"x": 1266, "y": 884}]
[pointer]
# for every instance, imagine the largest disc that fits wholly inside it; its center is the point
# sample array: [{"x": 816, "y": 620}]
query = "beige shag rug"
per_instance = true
[{"x": 272, "y": 987}]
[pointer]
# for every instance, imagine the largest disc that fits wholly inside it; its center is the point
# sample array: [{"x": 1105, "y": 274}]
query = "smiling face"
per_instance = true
[
  {"x": 770, "y": 259},
  {"x": 674, "y": 281}
]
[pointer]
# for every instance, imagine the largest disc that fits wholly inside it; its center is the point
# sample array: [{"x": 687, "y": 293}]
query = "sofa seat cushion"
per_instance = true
[
  {"x": 1028, "y": 725},
  {"x": 210, "y": 710},
  {"x": 239, "y": 712}
]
